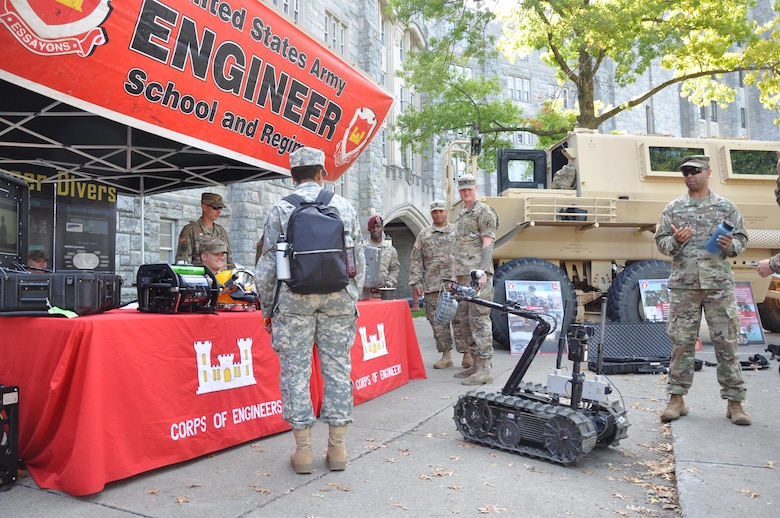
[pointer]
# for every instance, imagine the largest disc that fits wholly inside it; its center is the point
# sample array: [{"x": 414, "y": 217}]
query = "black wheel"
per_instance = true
[
  {"x": 477, "y": 418},
  {"x": 624, "y": 301},
  {"x": 606, "y": 429},
  {"x": 769, "y": 310},
  {"x": 563, "y": 440},
  {"x": 508, "y": 433},
  {"x": 528, "y": 269}
]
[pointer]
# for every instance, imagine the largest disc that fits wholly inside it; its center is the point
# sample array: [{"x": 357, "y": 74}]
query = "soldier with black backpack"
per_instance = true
[{"x": 309, "y": 276}]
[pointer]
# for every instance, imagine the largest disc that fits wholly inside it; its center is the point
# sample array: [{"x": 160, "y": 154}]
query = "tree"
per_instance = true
[{"x": 696, "y": 40}]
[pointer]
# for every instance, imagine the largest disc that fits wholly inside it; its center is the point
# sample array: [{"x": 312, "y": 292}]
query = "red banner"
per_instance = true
[{"x": 232, "y": 78}]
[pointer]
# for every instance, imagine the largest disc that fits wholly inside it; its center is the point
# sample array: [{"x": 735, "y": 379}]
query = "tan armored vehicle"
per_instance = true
[{"x": 584, "y": 213}]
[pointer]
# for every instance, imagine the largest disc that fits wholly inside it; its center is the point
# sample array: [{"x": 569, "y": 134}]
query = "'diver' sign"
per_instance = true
[{"x": 232, "y": 77}]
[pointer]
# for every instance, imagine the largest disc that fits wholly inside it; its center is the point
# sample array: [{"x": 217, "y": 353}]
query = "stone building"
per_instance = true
[{"x": 389, "y": 181}]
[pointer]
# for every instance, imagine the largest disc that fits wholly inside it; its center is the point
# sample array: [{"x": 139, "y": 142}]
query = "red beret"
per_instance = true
[{"x": 373, "y": 220}]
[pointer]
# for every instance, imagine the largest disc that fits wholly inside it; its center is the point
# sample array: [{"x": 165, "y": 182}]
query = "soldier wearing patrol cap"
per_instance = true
[
  {"x": 297, "y": 322},
  {"x": 702, "y": 280},
  {"x": 211, "y": 205},
  {"x": 429, "y": 266},
  {"x": 472, "y": 248},
  {"x": 213, "y": 253}
]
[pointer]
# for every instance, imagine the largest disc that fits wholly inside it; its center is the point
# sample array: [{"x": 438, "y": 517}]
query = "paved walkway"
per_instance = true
[{"x": 407, "y": 459}]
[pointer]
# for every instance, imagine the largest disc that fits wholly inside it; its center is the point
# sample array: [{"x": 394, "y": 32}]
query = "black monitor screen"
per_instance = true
[{"x": 14, "y": 214}]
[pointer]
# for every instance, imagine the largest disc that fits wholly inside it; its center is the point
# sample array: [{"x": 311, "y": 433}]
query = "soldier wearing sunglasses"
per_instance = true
[
  {"x": 206, "y": 226},
  {"x": 701, "y": 280}
]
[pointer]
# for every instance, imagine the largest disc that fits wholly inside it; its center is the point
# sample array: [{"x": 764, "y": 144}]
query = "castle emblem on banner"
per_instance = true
[
  {"x": 357, "y": 135},
  {"x": 374, "y": 346},
  {"x": 56, "y": 27},
  {"x": 227, "y": 373}
]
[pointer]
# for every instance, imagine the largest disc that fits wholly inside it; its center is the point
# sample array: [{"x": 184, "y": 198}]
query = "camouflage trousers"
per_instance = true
[
  {"x": 722, "y": 314},
  {"x": 442, "y": 335},
  {"x": 472, "y": 327},
  {"x": 321, "y": 321}
]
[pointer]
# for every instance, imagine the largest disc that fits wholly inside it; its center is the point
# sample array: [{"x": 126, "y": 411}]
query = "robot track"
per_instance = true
[{"x": 526, "y": 426}]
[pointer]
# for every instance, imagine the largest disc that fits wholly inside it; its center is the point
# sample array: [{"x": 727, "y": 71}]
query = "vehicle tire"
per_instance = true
[
  {"x": 624, "y": 300},
  {"x": 769, "y": 310},
  {"x": 528, "y": 269}
]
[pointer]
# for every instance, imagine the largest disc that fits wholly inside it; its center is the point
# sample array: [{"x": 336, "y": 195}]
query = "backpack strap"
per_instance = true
[{"x": 324, "y": 197}]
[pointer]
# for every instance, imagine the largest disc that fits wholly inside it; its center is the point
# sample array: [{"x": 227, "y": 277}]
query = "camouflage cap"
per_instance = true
[
  {"x": 438, "y": 205},
  {"x": 466, "y": 181},
  {"x": 212, "y": 199},
  {"x": 700, "y": 161},
  {"x": 211, "y": 245},
  {"x": 304, "y": 156}
]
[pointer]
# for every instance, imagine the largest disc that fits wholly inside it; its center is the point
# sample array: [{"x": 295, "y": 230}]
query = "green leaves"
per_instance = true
[{"x": 697, "y": 41}]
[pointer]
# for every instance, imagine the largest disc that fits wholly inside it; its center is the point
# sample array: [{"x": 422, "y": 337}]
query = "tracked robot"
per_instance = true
[{"x": 560, "y": 422}]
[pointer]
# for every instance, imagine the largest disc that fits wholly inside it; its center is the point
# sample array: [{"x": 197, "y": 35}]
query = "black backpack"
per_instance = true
[{"x": 315, "y": 237}]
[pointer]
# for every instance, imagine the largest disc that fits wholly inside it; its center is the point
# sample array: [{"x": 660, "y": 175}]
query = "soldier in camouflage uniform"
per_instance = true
[
  {"x": 472, "y": 248},
  {"x": 429, "y": 265},
  {"x": 296, "y": 322},
  {"x": 702, "y": 280},
  {"x": 388, "y": 256},
  {"x": 769, "y": 266},
  {"x": 211, "y": 205}
]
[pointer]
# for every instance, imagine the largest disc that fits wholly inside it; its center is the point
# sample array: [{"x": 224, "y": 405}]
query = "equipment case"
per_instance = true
[
  {"x": 9, "y": 436},
  {"x": 81, "y": 292}
]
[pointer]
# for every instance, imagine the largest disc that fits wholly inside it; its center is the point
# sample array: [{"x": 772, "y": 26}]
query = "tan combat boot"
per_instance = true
[
  {"x": 674, "y": 408},
  {"x": 481, "y": 374},
  {"x": 467, "y": 371},
  {"x": 446, "y": 361},
  {"x": 302, "y": 459},
  {"x": 467, "y": 361},
  {"x": 337, "y": 449},
  {"x": 737, "y": 415}
]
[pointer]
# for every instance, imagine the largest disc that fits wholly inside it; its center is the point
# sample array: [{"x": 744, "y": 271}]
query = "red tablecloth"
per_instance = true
[{"x": 107, "y": 396}]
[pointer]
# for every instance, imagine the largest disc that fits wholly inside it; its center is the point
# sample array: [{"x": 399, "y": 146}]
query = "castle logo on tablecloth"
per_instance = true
[
  {"x": 374, "y": 346},
  {"x": 226, "y": 374}
]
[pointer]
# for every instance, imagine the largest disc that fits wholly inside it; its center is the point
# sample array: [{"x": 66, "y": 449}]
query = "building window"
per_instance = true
[
  {"x": 743, "y": 117},
  {"x": 291, "y": 8},
  {"x": 559, "y": 92},
  {"x": 714, "y": 111},
  {"x": 401, "y": 100},
  {"x": 167, "y": 237},
  {"x": 464, "y": 72},
  {"x": 702, "y": 112},
  {"x": 335, "y": 33},
  {"x": 519, "y": 88}
]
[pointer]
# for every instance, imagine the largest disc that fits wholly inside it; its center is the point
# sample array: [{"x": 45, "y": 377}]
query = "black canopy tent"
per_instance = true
[{"x": 38, "y": 130}]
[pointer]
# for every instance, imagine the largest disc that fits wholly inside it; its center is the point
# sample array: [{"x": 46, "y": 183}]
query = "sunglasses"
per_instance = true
[
  {"x": 215, "y": 208},
  {"x": 691, "y": 170}
]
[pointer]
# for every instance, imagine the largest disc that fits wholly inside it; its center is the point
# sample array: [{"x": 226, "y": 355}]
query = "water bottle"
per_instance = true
[
  {"x": 712, "y": 245},
  {"x": 349, "y": 245},
  {"x": 282, "y": 259}
]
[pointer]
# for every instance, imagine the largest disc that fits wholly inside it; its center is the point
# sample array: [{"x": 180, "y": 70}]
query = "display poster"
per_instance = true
[
  {"x": 655, "y": 299},
  {"x": 750, "y": 330},
  {"x": 655, "y": 302},
  {"x": 540, "y": 296}
]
